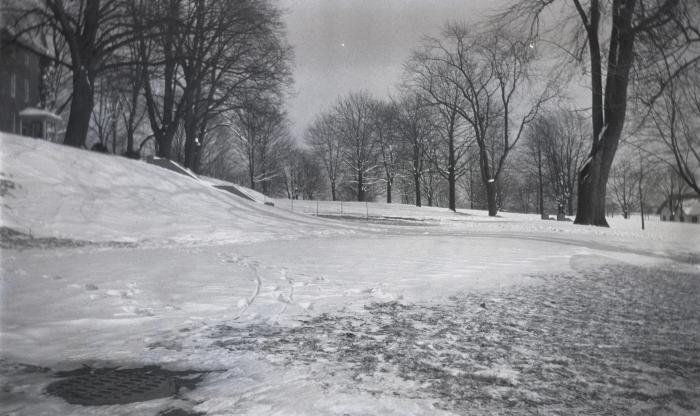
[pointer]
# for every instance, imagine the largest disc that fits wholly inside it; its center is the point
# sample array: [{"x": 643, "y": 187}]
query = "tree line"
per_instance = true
[
  {"x": 169, "y": 71},
  {"x": 481, "y": 111}
]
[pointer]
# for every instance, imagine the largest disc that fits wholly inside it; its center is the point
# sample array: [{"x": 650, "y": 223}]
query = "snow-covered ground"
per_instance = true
[{"x": 110, "y": 262}]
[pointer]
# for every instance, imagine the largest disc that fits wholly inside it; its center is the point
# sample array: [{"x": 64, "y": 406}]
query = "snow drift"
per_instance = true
[{"x": 58, "y": 191}]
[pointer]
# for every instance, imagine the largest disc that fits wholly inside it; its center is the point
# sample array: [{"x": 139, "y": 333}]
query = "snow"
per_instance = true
[
  {"x": 410, "y": 311},
  {"x": 38, "y": 113},
  {"x": 61, "y": 191}
]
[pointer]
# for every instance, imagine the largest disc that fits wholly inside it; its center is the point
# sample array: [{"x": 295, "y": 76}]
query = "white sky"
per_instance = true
[{"x": 348, "y": 45}]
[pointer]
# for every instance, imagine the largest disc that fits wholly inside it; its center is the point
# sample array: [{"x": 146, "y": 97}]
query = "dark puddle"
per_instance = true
[{"x": 89, "y": 386}]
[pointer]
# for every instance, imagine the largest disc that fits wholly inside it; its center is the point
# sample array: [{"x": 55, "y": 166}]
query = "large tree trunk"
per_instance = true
[
  {"x": 165, "y": 145},
  {"x": 452, "y": 189},
  {"x": 608, "y": 115},
  {"x": 491, "y": 197},
  {"x": 80, "y": 110},
  {"x": 190, "y": 148},
  {"x": 590, "y": 209},
  {"x": 388, "y": 191},
  {"x": 416, "y": 183},
  {"x": 333, "y": 197}
]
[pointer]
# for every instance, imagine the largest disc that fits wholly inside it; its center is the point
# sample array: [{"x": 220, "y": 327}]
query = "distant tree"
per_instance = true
[
  {"x": 490, "y": 71},
  {"x": 415, "y": 127},
  {"x": 105, "y": 113},
  {"x": 454, "y": 139},
  {"x": 535, "y": 159},
  {"x": 623, "y": 184},
  {"x": 563, "y": 139},
  {"x": 389, "y": 143},
  {"x": 323, "y": 137},
  {"x": 672, "y": 187},
  {"x": 674, "y": 117},
  {"x": 260, "y": 132},
  {"x": 355, "y": 115},
  {"x": 303, "y": 176}
]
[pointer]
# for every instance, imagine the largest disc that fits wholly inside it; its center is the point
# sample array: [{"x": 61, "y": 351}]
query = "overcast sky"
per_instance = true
[{"x": 349, "y": 45}]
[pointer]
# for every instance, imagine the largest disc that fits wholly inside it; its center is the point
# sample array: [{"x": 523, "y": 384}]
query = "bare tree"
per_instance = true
[
  {"x": 623, "y": 184},
  {"x": 535, "y": 144},
  {"x": 562, "y": 138},
  {"x": 490, "y": 71},
  {"x": 302, "y": 174},
  {"x": 452, "y": 139},
  {"x": 105, "y": 115},
  {"x": 386, "y": 120},
  {"x": 260, "y": 133},
  {"x": 203, "y": 56},
  {"x": 355, "y": 114},
  {"x": 415, "y": 128},
  {"x": 323, "y": 137},
  {"x": 672, "y": 187},
  {"x": 675, "y": 117},
  {"x": 625, "y": 30},
  {"x": 93, "y": 32}
]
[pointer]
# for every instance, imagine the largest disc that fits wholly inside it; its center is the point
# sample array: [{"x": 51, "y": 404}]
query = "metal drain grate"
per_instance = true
[{"x": 94, "y": 387}]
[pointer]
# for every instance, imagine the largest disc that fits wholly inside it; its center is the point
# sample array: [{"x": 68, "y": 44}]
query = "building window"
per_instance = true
[
  {"x": 13, "y": 85},
  {"x": 26, "y": 90},
  {"x": 26, "y": 59}
]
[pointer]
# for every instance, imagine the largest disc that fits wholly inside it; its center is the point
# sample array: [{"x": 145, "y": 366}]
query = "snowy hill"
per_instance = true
[{"x": 58, "y": 191}]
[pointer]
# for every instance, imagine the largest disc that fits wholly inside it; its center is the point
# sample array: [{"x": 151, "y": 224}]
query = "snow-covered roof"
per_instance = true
[{"x": 39, "y": 114}]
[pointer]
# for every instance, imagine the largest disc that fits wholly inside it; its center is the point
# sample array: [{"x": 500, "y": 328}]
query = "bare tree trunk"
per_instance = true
[
  {"x": 471, "y": 186},
  {"x": 491, "y": 197},
  {"x": 451, "y": 179},
  {"x": 81, "y": 106},
  {"x": 540, "y": 180},
  {"x": 114, "y": 134},
  {"x": 608, "y": 115},
  {"x": 360, "y": 190},
  {"x": 388, "y": 191},
  {"x": 591, "y": 194},
  {"x": 416, "y": 181},
  {"x": 452, "y": 190}
]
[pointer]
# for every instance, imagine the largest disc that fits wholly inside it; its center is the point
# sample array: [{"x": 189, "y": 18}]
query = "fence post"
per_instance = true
[
  {"x": 367, "y": 210},
  {"x": 341, "y": 207},
  {"x": 317, "y": 207},
  {"x": 292, "y": 204}
]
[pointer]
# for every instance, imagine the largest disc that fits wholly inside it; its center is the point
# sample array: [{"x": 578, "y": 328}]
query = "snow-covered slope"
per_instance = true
[
  {"x": 58, "y": 191},
  {"x": 246, "y": 192}
]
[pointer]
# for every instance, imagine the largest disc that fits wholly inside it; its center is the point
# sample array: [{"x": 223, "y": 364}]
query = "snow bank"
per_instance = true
[{"x": 58, "y": 191}]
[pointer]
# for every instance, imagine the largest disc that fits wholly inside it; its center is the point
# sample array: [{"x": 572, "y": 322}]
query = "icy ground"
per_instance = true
[{"x": 416, "y": 311}]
